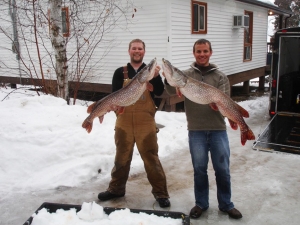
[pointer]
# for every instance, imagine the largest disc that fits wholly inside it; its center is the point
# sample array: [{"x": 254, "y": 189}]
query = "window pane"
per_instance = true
[
  {"x": 238, "y": 21},
  {"x": 195, "y": 19},
  {"x": 246, "y": 20},
  {"x": 247, "y": 35},
  {"x": 199, "y": 17},
  {"x": 64, "y": 21},
  {"x": 247, "y": 52},
  {"x": 202, "y": 18}
]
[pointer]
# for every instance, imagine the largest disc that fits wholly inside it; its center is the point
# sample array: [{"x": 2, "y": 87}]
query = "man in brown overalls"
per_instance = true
[{"x": 136, "y": 125}]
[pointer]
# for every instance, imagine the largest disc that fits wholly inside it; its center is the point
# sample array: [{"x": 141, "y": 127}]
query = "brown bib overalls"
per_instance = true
[{"x": 137, "y": 126}]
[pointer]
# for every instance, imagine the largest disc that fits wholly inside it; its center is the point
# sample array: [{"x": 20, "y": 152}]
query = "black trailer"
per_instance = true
[{"x": 283, "y": 132}]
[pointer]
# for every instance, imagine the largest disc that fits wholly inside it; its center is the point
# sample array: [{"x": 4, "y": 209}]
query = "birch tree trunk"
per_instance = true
[{"x": 59, "y": 46}]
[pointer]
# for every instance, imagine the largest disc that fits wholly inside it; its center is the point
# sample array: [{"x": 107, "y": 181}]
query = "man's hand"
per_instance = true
[{"x": 157, "y": 69}]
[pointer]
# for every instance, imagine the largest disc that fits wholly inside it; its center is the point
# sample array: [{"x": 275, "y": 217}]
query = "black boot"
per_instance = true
[
  {"x": 196, "y": 212},
  {"x": 163, "y": 202},
  {"x": 233, "y": 213},
  {"x": 106, "y": 195}
]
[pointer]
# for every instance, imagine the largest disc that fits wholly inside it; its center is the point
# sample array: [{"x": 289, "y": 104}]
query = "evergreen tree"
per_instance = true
[{"x": 294, "y": 6}]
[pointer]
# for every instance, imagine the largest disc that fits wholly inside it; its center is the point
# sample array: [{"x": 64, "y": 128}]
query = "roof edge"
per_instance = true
[{"x": 274, "y": 8}]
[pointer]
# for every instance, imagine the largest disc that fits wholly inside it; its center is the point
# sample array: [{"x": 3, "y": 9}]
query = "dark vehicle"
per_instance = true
[
  {"x": 283, "y": 132},
  {"x": 285, "y": 72}
]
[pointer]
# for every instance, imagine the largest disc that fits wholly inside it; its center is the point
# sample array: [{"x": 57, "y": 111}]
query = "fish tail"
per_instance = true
[
  {"x": 87, "y": 125},
  {"x": 250, "y": 135},
  {"x": 247, "y": 134}
]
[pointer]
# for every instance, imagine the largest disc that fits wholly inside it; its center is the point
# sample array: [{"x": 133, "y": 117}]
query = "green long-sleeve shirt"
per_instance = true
[{"x": 202, "y": 117}]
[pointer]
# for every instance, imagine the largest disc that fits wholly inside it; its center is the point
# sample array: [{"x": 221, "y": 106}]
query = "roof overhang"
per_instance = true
[{"x": 272, "y": 8}]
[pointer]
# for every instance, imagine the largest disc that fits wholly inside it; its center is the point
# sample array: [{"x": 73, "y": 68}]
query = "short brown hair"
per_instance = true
[
  {"x": 202, "y": 41},
  {"x": 139, "y": 41}
]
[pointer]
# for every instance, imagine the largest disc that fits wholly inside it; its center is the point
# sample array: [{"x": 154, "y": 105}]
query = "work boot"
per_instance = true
[
  {"x": 233, "y": 213},
  {"x": 163, "y": 202},
  {"x": 196, "y": 212},
  {"x": 106, "y": 195}
]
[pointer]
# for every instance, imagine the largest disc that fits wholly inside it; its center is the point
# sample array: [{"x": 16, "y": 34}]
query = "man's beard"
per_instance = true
[{"x": 137, "y": 59}]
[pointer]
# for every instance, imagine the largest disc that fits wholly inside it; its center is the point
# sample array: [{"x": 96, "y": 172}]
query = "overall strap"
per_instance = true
[{"x": 125, "y": 72}]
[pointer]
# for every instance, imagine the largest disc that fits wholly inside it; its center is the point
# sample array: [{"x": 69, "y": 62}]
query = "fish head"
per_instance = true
[
  {"x": 167, "y": 68},
  {"x": 147, "y": 73},
  {"x": 174, "y": 76}
]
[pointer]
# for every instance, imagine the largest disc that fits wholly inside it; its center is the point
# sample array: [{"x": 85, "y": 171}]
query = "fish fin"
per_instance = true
[
  {"x": 87, "y": 125},
  {"x": 250, "y": 135},
  {"x": 113, "y": 108},
  {"x": 243, "y": 111},
  {"x": 91, "y": 107},
  {"x": 214, "y": 106},
  {"x": 121, "y": 110},
  {"x": 101, "y": 118},
  {"x": 233, "y": 125},
  {"x": 247, "y": 135},
  {"x": 149, "y": 86},
  {"x": 178, "y": 92}
]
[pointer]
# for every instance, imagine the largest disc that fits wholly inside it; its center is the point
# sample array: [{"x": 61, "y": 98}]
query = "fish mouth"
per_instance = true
[
  {"x": 152, "y": 64},
  {"x": 167, "y": 66},
  {"x": 165, "y": 61},
  {"x": 172, "y": 74},
  {"x": 151, "y": 68}
]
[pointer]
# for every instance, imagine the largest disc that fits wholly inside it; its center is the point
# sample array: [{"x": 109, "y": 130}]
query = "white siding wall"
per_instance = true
[
  {"x": 8, "y": 62},
  {"x": 149, "y": 24},
  {"x": 227, "y": 43},
  {"x": 156, "y": 22}
]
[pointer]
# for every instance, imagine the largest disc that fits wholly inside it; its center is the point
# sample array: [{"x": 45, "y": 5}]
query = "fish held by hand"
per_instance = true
[
  {"x": 202, "y": 93},
  {"x": 126, "y": 96}
]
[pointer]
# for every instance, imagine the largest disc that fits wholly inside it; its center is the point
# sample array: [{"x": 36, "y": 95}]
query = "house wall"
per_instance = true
[
  {"x": 149, "y": 24},
  {"x": 165, "y": 27},
  {"x": 8, "y": 61},
  {"x": 28, "y": 65},
  {"x": 227, "y": 43}
]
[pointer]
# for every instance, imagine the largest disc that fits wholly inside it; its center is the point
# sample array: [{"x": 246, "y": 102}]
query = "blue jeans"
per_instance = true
[{"x": 215, "y": 141}]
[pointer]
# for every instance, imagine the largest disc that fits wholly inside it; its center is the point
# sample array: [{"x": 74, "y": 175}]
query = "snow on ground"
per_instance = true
[{"x": 46, "y": 156}]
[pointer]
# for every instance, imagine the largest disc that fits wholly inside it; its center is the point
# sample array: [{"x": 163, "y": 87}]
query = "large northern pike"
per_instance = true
[
  {"x": 126, "y": 96},
  {"x": 203, "y": 93}
]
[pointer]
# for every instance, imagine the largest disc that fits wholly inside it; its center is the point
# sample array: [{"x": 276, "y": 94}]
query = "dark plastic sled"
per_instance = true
[{"x": 52, "y": 207}]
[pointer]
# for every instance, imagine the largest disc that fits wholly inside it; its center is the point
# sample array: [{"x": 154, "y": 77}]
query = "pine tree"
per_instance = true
[{"x": 294, "y": 6}]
